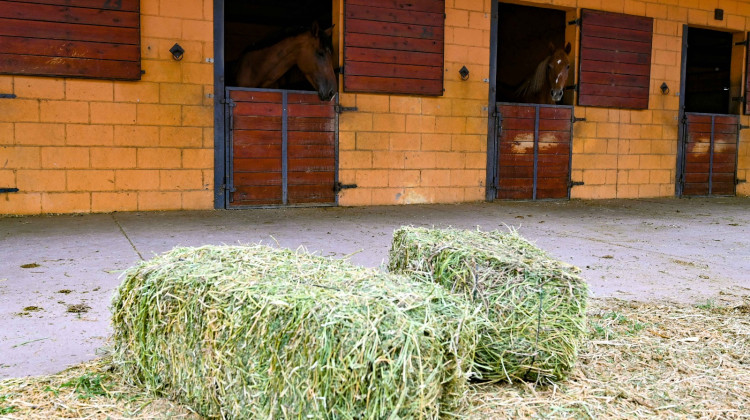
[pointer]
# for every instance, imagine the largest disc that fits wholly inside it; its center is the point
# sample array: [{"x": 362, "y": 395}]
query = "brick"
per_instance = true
[
  {"x": 184, "y": 179},
  {"x": 114, "y": 201},
  {"x": 389, "y": 196},
  {"x": 405, "y": 105},
  {"x": 157, "y": 200},
  {"x": 90, "y": 180},
  {"x": 66, "y": 202},
  {"x": 470, "y": 5},
  {"x": 40, "y": 134},
  {"x": 347, "y": 140},
  {"x": 181, "y": 94},
  {"x": 140, "y": 91},
  {"x": 389, "y": 123},
  {"x": 133, "y": 135},
  {"x": 198, "y": 200},
  {"x": 476, "y": 160},
  {"x": 181, "y": 137},
  {"x": 153, "y": 114},
  {"x": 181, "y": 9},
  {"x": 17, "y": 157},
  {"x": 21, "y": 203},
  {"x": 113, "y": 113},
  {"x": 420, "y": 160},
  {"x": 159, "y": 158},
  {"x": 161, "y": 71},
  {"x": 198, "y": 73},
  {"x": 40, "y": 180},
  {"x": 6, "y": 134},
  {"x": 405, "y": 141},
  {"x": 8, "y": 177},
  {"x": 450, "y": 125},
  {"x": 450, "y": 160},
  {"x": 161, "y": 27},
  {"x": 420, "y": 124},
  {"x": 355, "y": 197},
  {"x": 89, "y": 90},
  {"x": 89, "y": 135},
  {"x": 19, "y": 110},
  {"x": 476, "y": 126},
  {"x": 594, "y": 177},
  {"x": 355, "y": 159},
  {"x": 372, "y": 103},
  {"x": 113, "y": 157},
  {"x": 372, "y": 141},
  {"x": 388, "y": 159},
  {"x": 136, "y": 180},
  {"x": 404, "y": 178},
  {"x": 457, "y": 18},
  {"x": 435, "y": 178},
  {"x": 198, "y": 158},
  {"x": 371, "y": 178},
  {"x": 65, "y": 157},
  {"x": 437, "y": 106},
  {"x": 39, "y": 87},
  {"x": 479, "y": 20},
  {"x": 64, "y": 111},
  {"x": 436, "y": 142},
  {"x": 197, "y": 30},
  {"x": 355, "y": 121},
  {"x": 199, "y": 116}
]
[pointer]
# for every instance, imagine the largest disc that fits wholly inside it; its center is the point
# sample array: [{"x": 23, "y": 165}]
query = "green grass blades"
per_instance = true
[
  {"x": 259, "y": 332},
  {"x": 534, "y": 306}
]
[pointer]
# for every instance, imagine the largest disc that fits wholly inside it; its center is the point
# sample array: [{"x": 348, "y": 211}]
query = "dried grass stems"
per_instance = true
[
  {"x": 535, "y": 306},
  {"x": 640, "y": 360},
  {"x": 258, "y": 332}
]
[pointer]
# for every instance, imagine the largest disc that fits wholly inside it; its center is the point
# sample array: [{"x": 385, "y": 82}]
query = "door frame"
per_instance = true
[
  {"x": 492, "y": 116},
  {"x": 680, "y": 164},
  {"x": 221, "y": 198}
]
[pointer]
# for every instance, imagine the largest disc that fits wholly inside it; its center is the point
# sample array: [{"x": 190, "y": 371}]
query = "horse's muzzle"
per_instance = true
[
  {"x": 557, "y": 94},
  {"x": 327, "y": 96}
]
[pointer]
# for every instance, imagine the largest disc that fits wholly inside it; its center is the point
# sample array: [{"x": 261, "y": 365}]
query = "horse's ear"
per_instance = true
[
  {"x": 552, "y": 47},
  {"x": 329, "y": 32},
  {"x": 315, "y": 29},
  {"x": 568, "y": 48}
]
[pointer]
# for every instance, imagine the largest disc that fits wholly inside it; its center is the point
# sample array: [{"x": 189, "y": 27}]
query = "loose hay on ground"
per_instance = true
[
  {"x": 536, "y": 305},
  {"x": 259, "y": 332},
  {"x": 642, "y": 360}
]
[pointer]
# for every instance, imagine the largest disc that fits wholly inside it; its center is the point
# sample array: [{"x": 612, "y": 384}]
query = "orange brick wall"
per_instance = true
[
  {"x": 77, "y": 145},
  {"x": 402, "y": 150}
]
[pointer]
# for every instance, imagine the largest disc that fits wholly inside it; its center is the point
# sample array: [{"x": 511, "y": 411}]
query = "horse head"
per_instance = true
[
  {"x": 557, "y": 71},
  {"x": 316, "y": 61}
]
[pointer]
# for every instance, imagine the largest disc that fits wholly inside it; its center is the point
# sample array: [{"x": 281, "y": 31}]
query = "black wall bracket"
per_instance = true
[
  {"x": 339, "y": 186},
  {"x": 8, "y": 190},
  {"x": 8, "y": 95}
]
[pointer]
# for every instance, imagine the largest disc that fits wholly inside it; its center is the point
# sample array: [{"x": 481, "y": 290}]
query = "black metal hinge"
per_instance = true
[
  {"x": 339, "y": 109},
  {"x": 741, "y": 43},
  {"x": 337, "y": 187},
  {"x": 743, "y": 127},
  {"x": 738, "y": 99},
  {"x": 739, "y": 181},
  {"x": 576, "y": 119},
  {"x": 572, "y": 184},
  {"x": 8, "y": 190},
  {"x": 575, "y": 22},
  {"x": 571, "y": 87},
  {"x": 8, "y": 95}
]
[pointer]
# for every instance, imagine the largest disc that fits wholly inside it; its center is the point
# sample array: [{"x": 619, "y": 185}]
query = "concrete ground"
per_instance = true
[{"x": 58, "y": 273}]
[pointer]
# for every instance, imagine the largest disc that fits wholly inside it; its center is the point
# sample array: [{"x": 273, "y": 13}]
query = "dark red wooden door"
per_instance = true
[
  {"x": 710, "y": 154},
  {"x": 282, "y": 148},
  {"x": 534, "y": 150}
]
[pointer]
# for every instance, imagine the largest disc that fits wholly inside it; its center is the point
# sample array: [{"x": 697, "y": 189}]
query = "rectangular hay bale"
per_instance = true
[
  {"x": 259, "y": 332},
  {"x": 535, "y": 306}
]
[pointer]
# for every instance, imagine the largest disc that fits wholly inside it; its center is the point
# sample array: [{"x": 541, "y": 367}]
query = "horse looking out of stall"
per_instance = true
[
  {"x": 310, "y": 50},
  {"x": 547, "y": 83}
]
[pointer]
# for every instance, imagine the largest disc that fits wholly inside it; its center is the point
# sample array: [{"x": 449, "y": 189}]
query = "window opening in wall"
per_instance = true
[
  {"x": 254, "y": 25},
  {"x": 526, "y": 37},
  {"x": 708, "y": 71}
]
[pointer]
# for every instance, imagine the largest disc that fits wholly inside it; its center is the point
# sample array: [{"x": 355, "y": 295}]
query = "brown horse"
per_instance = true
[
  {"x": 311, "y": 51},
  {"x": 546, "y": 84}
]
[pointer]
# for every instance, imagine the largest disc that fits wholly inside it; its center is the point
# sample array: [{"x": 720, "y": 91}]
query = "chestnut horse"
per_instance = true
[
  {"x": 546, "y": 84},
  {"x": 311, "y": 51}
]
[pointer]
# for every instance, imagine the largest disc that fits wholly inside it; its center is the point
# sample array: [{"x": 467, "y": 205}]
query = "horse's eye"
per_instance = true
[{"x": 567, "y": 67}]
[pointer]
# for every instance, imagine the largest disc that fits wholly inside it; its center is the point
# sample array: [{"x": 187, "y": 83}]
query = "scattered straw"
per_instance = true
[
  {"x": 258, "y": 332},
  {"x": 535, "y": 305}
]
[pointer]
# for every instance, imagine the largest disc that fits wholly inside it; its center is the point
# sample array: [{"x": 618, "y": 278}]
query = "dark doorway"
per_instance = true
[
  {"x": 708, "y": 71},
  {"x": 524, "y": 35},
  {"x": 250, "y": 23}
]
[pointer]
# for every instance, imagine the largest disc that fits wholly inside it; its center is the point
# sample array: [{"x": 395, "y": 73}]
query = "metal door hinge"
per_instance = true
[
  {"x": 743, "y": 127},
  {"x": 8, "y": 95},
  {"x": 337, "y": 187},
  {"x": 741, "y": 43},
  {"x": 8, "y": 190},
  {"x": 339, "y": 109},
  {"x": 576, "y": 119},
  {"x": 575, "y": 22},
  {"x": 739, "y": 181},
  {"x": 575, "y": 183}
]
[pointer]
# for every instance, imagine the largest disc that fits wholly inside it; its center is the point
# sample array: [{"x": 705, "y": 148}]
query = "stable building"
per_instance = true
[{"x": 128, "y": 105}]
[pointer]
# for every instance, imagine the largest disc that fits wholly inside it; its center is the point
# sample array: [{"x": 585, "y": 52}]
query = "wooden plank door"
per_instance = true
[
  {"x": 534, "y": 151},
  {"x": 282, "y": 148},
  {"x": 710, "y": 154}
]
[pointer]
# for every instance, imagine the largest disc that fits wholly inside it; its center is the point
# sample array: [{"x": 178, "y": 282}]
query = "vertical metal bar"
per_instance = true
[
  {"x": 536, "y": 148},
  {"x": 284, "y": 148},
  {"x": 681, "y": 119},
  {"x": 711, "y": 156},
  {"x": 493, "y": 163},
  {"x": 229, "y": 156},
  {"x": 570, "y": 151},
  {"x": 496, "y": 153},
  {"x": 737, "y": 149},
  {"x": 220, "y": 138},
  {"x": 336, "y": 154}
]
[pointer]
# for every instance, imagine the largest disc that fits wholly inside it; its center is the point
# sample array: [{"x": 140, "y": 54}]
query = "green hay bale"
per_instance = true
[
  {"x": 535, "y": 305},
  {"x": 258, "y": 332}
]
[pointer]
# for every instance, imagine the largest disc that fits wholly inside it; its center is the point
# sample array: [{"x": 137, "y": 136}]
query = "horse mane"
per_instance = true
[{"x": 536, "y": 81}]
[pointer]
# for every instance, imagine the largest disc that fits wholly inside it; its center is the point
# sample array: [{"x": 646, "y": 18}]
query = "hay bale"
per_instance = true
[
  {"x": 258, "y": 332},
  {"x": 535, "y": 305}
]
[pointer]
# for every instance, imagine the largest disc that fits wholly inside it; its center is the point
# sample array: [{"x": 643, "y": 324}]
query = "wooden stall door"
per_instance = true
[
  {"x": 710, "y": 154},
  {"x": 534, "y": 151},
  {"x": 282, "y": 149}
]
